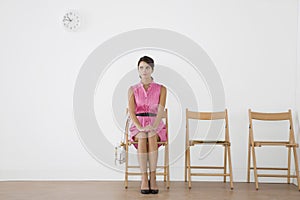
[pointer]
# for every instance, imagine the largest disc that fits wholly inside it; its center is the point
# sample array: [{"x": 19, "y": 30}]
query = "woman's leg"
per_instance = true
[
  {"x": 142, "y": 158},
  {"x": 153, "y": 154}
]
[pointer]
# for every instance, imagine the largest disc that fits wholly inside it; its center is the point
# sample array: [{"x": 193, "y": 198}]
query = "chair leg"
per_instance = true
[
  {"x": 126, "y": 167},
  {"x": 165, "y": 165},
  {"x": 225, "y": 162},
  {"x": 289, "y": 166},
  {"x": 254, "y": 166},
  {"x": 296, "y": 166},
  {"x": 249, "y": 160},
  {"x": 230, "y": 168},
  {"x": 126, "y": 180},
  {"x": 189, "y": 166},
  {"x": 185, "y": 165},
  {"x": 168, "y": 168}
]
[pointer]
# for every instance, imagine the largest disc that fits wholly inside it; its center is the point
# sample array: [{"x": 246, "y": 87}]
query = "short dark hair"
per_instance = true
[{"x": 148, "y": 60}]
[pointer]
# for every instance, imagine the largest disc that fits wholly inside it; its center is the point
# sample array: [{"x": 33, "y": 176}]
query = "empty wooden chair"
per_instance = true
[
  {"x": 290, "y": 144},
  {"x": 165, "y": 166},
  {"x": 190, "y": 115}
]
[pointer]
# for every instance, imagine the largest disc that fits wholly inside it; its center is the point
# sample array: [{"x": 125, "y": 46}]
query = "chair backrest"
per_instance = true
[
  {"x": 222, "y": 115},
  {"x": 205, "y": 115},
  {"x": 165, "y": 116},
  {"x": 279, "y": 116},
  {"x": 270, "y": 116}
]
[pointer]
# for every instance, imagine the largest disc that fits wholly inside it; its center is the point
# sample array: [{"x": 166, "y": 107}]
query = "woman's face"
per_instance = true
[{"x": 145, "y": 70}]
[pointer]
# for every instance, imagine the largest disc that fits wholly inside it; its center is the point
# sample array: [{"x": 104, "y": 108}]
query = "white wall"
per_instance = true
[{"x": 253, "y": 44}]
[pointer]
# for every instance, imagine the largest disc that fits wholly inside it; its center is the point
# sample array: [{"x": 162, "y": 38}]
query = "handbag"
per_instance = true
[{"x": 120, "y": 152}]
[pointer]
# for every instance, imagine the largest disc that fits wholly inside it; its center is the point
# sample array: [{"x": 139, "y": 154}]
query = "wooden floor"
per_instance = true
[{"x": 110, "y": 190}]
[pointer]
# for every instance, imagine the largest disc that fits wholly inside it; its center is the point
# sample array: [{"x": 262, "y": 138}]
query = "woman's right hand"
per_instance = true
[{"x": 145, "y": 129}]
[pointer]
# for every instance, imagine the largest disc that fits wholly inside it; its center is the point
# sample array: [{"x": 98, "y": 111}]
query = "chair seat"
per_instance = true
[
  {"x": 160, "y": 143},
  {"x": 218, "y": 142},
  {"x": 274, "y": 143}
]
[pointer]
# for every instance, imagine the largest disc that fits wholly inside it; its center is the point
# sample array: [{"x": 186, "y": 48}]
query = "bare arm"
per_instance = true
[
  {"x": 131, "y": 109},
  {"x": 161, "y": 107}
]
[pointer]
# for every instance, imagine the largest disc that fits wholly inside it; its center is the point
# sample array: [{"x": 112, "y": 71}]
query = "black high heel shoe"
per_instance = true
[
  {"x": 153, "y": 191},
  {"x": 146, "y": 191}
]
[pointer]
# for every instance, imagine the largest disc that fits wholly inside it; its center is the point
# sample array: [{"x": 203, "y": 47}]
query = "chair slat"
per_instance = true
[
  {"x": 216, "y": 142},
  {"x": 276, "y": 175},
  {"x": 206, "y": 115},
  {"x": 270, "y": 116},
  {"x": 208, "y": 174}
]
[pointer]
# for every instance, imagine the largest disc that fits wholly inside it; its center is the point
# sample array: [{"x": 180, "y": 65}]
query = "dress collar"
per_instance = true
[
  {"x": 148, "y": 89},
  {"x": 141, "y": 84}
]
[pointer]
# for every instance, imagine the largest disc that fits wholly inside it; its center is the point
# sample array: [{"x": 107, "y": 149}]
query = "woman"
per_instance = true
[{"x": 146, "y": 105}]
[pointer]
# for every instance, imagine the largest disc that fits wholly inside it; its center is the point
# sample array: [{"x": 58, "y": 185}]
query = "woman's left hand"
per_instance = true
[
  {"x": 149, "y": 128},
  {"x": 153, "y": 128}
]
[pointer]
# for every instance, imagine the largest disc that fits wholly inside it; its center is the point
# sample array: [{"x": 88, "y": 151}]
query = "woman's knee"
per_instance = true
[
  {"x": 153, "y": 138},
  {"x": 140, "y": 136},
  {"x": 152, "y": 135}
]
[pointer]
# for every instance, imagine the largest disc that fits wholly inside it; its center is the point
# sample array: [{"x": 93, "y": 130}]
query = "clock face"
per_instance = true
[{"x": 71, "y": 20}]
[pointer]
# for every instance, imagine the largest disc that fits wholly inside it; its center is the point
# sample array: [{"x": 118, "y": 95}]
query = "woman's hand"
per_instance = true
[{"x": 147, "y": 128}]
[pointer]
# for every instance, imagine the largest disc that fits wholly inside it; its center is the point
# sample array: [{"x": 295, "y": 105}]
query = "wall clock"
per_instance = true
[{"x": 71, "y": 20}]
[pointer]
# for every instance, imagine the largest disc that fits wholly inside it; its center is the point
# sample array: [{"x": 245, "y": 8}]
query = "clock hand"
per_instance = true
[{"x": 66, "y": 20}]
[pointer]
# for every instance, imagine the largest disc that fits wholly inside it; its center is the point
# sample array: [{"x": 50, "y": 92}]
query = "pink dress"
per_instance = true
[{"x": 147, "y": 102}]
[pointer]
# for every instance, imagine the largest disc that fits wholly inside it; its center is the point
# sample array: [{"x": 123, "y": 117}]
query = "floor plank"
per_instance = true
[{"x": 88, "y": 190}]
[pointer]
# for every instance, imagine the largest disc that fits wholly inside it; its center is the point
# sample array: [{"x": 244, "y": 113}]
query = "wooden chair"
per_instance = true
[
  {"x": 290, "y": 144},
  {"x": 165, "y": 167},
  {"x": 190, "y": 143}
]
